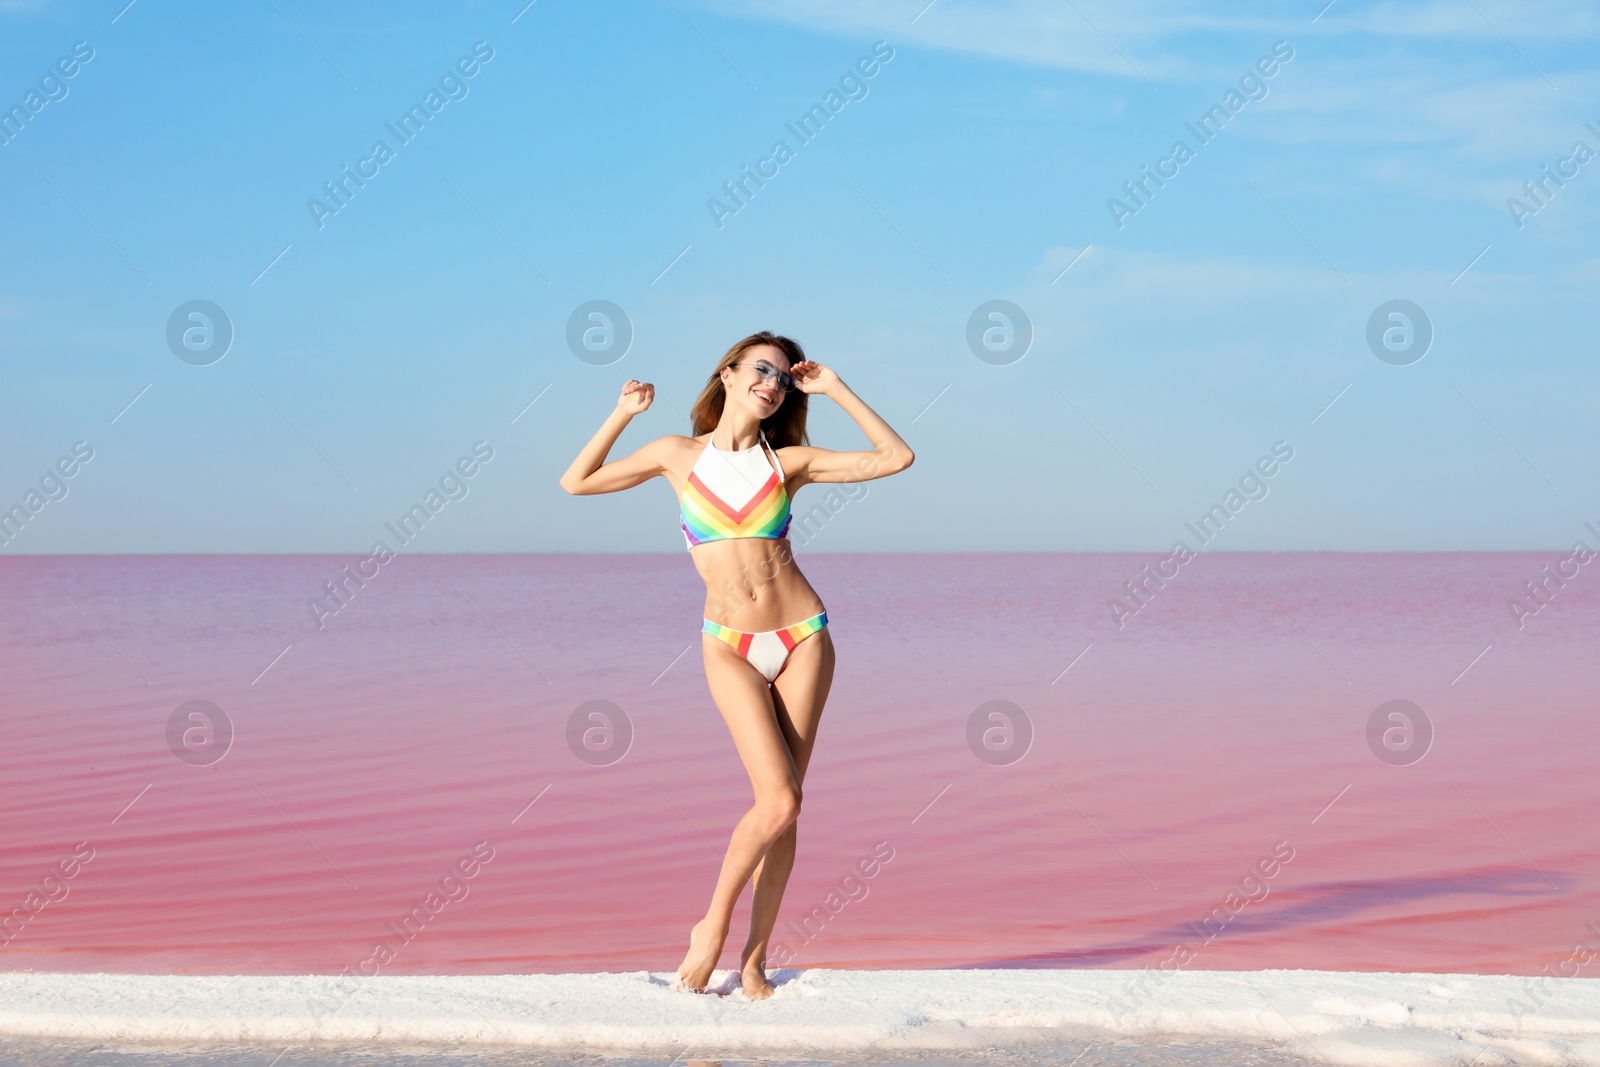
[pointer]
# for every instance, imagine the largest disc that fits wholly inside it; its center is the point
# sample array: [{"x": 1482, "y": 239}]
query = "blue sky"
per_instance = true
[{"x": 1168, "y": 354}]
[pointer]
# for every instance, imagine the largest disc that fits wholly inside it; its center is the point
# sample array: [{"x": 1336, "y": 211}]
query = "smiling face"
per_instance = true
[{"x": 746, "y": 388}]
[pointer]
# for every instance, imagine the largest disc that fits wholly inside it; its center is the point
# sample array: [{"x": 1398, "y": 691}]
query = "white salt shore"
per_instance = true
[{"x": 1390, "y": 1020}]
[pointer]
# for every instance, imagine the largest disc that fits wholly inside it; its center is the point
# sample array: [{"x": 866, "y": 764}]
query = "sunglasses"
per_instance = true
[{"x": 767, "y": 372}]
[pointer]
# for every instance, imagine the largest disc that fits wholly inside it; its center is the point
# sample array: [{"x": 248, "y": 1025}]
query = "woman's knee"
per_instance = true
[{"x": 779, "y": 808}]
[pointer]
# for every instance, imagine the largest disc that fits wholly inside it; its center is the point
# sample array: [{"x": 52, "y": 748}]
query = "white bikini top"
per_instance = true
[{"x": 734, "y": 494}]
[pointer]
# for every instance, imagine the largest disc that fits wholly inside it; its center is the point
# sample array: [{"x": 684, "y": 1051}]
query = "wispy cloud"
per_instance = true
[
  {"x": 1024, "y": 31},
  {"x": 1462, "y": 133},
  {"x": 1550, "y": 20},
  {"x": 1160, "y": 36}
]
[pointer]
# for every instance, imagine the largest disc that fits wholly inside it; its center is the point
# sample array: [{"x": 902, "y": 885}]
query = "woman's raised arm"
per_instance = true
[
  {"x": 890, "y": 454},
  {"x": 587, "y": 476}
]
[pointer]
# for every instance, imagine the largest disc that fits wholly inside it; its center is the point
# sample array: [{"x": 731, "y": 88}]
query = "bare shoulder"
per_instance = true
[
  {"x": 676, "y": 444},
  {"x": 796, "y": 460},
  {"x": 677, "y": 455},
  {"x": 799, "y": 453},
  {"x": 670, "y": 446}
]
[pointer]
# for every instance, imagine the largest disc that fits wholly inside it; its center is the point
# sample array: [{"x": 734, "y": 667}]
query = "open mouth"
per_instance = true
[{"x": 766, "y": 394}]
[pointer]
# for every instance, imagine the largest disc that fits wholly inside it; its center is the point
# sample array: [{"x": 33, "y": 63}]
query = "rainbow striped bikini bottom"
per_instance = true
[{"x": 768, "y": 650}]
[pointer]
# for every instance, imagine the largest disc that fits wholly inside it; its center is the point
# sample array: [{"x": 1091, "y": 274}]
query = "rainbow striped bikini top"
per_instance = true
[{"x": 734, "y": 494}]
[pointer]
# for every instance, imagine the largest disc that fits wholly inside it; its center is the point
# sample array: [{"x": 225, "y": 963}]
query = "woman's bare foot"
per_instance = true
[
  {"x": 705, "y": 947},
  {"x": 754, "y": 979}
]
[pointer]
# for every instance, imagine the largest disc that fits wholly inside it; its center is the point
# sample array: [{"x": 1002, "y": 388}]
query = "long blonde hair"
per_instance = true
[{"x": 786, "y": 426}]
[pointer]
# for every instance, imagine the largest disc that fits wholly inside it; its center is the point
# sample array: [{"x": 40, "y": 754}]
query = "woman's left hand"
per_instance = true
[{"x": 812, "y": 377}]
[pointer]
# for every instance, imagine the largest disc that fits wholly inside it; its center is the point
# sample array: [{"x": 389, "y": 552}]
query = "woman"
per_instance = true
[{"x": 768, "y": 655}]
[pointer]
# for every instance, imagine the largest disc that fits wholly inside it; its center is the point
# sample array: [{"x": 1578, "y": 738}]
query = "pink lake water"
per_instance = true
[{"x": 1168, "y": 757}]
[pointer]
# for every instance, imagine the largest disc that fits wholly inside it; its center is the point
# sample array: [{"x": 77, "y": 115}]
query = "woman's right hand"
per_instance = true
[{"x": 636, "y": 397}]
